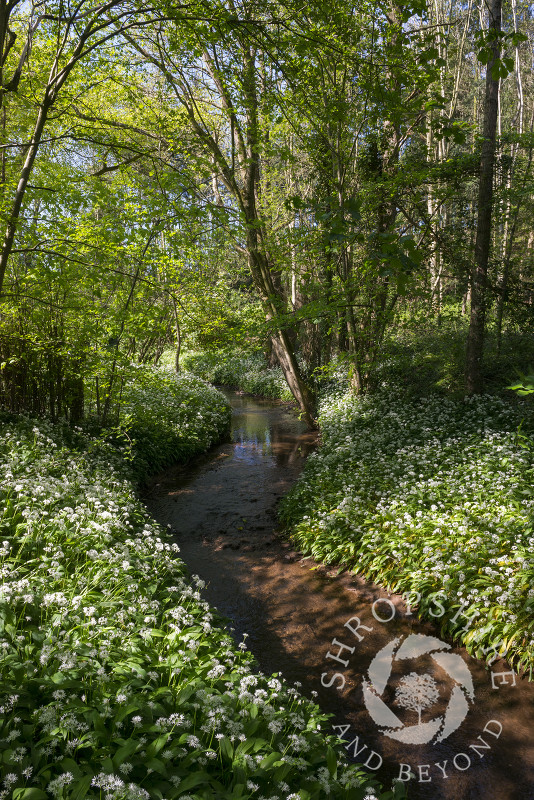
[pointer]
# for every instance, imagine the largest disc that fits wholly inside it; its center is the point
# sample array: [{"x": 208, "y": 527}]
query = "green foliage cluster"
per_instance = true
[
  {"x": 239, "y": 369},
  {"x": 142, "y": 211},
  {"x": 166, "y": 418},
  {"x": 429, "y": 496},
  {"x": 116, "y": 678}
]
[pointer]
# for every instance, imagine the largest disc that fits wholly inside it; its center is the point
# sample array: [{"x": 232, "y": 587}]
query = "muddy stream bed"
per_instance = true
[{"x": 466, "y": 731}]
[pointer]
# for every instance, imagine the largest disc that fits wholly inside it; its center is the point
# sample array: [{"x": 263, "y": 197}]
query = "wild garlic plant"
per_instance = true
[
  {"x": 118, "y": 681},
  {"x": 432, "y": 497},
  {"x": 166, "y": 418},
  {"x": 240, "y": 370}
]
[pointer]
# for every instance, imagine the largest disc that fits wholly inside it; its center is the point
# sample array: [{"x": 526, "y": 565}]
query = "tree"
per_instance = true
[
  {"x": 224, "y": 63},
  {"x": 479, "y": 274},
  {"x": 70, "y": 36}
]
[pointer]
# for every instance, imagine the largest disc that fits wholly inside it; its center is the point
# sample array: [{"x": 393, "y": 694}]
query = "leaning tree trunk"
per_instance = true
[
  {"x": 261, "y": 267},
  {"x": 299, "y": 390},
  {"x": 263, "y": 277},
  {"x": 475, "y": 338}
]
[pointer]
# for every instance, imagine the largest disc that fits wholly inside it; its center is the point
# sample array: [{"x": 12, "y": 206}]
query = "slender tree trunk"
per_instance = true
[
  {"x": 475, "y": 338},
  {"x": 282, "y": 347},
  {"x": 260, "y": 263},
  {"x": 510, "y": 229},
  {"x": 9, "y": 237},
  {"x": 178, "y": 337},
  {"x": 77, "y": 404}
]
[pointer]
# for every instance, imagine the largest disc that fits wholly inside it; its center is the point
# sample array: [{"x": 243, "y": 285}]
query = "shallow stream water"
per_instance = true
[{"x": 470, "y": 737}]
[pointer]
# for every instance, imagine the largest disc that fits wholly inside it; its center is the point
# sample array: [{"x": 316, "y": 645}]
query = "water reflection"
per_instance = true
[
  {"x": 237, "y": 484},
  {"x": 250, "y": 446},
  {"x": 261, "y": 435}
]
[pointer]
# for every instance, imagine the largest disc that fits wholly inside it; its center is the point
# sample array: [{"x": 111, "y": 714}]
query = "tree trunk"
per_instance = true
[
  {"x": 510, "y": 228},
  {"x": 14, "y": 213},
  {"x": 265, "y": 276},
  {"x": 282, "y": 347},
  {"x": 299, "y": 390},
  {"x": 475, "y": 338},
  {"x": 77, "y": 399},
  {"x": 178, "y": 337}
]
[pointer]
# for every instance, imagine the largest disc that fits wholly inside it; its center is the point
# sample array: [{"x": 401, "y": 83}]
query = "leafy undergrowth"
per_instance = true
[
  {"x": 433, "y": 497},
  {"x": 168, "y": 418},
  {"x": 117, "y": 682},
  {"x": 422, "y": 358},
  {"x": 239, "y": 370}
]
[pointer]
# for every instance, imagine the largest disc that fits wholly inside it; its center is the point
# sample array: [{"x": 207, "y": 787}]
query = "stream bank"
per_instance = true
[{"x": 222, "y": 512}]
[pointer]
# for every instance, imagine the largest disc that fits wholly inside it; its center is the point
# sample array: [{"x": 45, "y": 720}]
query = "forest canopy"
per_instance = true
[{"x": 289, "y": 176}]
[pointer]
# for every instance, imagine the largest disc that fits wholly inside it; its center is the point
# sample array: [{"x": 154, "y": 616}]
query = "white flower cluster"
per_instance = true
[
  {"x": 100, "y": 687},
  {"x": 432, "y": 497},
  {"x": 240, "y": 370},
  {"x": 183, "y": 405}
]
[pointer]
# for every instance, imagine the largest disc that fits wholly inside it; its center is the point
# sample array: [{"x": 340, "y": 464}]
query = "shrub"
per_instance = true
[{"x": 167, "y": 418}]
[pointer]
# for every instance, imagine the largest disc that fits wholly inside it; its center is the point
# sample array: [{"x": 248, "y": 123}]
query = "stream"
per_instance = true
[{"x": 403, "y": 697}]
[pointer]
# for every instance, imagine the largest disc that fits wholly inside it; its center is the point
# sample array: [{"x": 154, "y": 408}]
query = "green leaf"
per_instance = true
[
  {"x": 158, "y": 744},
  {"x": 82, "y": 787},
  {"x": 331, "y": 761},
  {"x": 125, "y": 752},
  {"x": 157, "y": 766},
  {"x": 271, "y": 760},
  {"x": 29, "y": 793},
  {"x": 193, "y": 780},
  {"x": 226, "y": 747}
]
